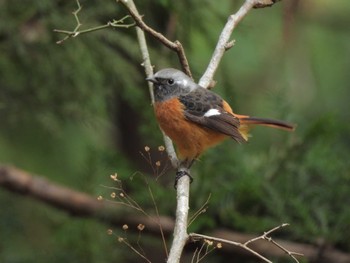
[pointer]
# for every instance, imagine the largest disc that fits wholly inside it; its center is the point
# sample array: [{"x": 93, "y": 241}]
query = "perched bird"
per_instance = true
[{"x": 196, "y": 118}]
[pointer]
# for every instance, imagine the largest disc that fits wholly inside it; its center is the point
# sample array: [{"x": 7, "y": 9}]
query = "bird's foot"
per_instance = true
[{"x": 180, "y": 174}]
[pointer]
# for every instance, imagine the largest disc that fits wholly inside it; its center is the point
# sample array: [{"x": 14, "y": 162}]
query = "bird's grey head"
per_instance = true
[{"x": 170, "y": 82}]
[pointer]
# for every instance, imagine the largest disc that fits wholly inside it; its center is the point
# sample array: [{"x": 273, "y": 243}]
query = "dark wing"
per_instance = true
[{"x": 206, "y": 109}]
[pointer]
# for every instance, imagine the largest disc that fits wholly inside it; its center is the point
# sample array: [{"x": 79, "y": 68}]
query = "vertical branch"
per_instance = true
[
  {"x": 149, "y": 71},
  {"x": 183, "y": 186},
  {"x": 146, "y": 60},
  {"x": 180, "y": 230}
]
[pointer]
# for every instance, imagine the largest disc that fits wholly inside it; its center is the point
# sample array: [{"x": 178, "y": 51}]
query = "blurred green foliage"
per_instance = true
[{"x": 80, "y": 111}]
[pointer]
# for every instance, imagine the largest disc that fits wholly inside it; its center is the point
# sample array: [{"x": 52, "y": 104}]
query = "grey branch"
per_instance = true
[
  {"x": 130, "y": 5},
  {"x": 181, "y": 221}
]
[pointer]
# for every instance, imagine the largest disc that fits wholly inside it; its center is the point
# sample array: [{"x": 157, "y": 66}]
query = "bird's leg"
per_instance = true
[{"x": 189, "y": 163}]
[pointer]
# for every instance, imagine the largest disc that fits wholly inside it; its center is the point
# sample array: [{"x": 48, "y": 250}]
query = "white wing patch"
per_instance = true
[{"x": 212, "y": 112}]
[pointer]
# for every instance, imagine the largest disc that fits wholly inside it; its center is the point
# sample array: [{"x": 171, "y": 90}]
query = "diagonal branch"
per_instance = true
[
  {"x": 223, "y": 43},
  {"x": 74, "y": 202},
  {"x": 175, "y": 46}
]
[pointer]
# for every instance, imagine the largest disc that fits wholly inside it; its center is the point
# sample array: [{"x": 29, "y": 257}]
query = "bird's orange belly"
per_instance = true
[{"x": 191, "y": 139}]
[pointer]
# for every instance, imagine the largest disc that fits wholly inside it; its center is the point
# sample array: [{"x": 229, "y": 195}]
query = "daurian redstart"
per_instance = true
[{"x": 196, "y": 118}]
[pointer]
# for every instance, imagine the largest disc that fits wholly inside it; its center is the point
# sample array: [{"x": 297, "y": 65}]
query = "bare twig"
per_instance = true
[
  {"x": 175, "y": 46},
  {"x": 195, "y": 236},
  {"x": 201, "y": 210},
  {"x": 156, "y": 165},
  {"x": 124, "y": 240},
  {"x": 199, "y": 254},
  {"x": 158, "y": 220},
  {"x": 127, "y": 200},
  {"x": 265, "y": 237},
  {"x": 76, "y": 32}
]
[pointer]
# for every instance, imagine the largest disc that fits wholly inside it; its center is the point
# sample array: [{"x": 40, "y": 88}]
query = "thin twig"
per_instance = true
[
  {"x": 245, "y": 246},
  {"x": 158, "y": 221},
  {"x": 201, "y": 210},
  {"x": 76, "y": 32},
  {"x": 195, "y": 236},
  {"x": 197, "y": 253},
  {"x": 123, "y": 240},
  {"x": 263, "y": 236}
]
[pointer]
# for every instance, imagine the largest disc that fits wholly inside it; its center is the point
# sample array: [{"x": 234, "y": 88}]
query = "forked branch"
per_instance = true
[
  {"x": 76, "y": 32},
  {"x": 224, "y": 43},
  {"x": 245, "y": 245}
]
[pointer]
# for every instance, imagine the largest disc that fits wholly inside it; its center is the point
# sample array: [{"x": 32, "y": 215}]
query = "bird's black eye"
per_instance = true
[{"x": 171, "y": 81}]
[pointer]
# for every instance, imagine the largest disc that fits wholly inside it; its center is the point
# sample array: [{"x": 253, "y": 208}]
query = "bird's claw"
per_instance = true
[{"x": 180, "y": 174}]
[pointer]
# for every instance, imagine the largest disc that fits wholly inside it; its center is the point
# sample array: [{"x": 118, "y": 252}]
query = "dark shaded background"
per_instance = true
[{"x": 78, "y": 112}]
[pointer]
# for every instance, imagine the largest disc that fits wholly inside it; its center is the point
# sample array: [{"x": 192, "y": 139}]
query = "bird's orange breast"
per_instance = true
[{"x": 191, "y": 139}]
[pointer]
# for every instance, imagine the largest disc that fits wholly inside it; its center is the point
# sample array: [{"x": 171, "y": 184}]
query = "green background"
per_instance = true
[{"x": 80, "y": 111}]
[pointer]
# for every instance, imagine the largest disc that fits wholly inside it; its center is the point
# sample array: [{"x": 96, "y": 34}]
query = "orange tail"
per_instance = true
[{"x": 247, "y": 121}]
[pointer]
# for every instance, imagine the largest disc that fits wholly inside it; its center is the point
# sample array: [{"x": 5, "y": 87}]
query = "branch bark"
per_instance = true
[{"x": 180, "y": 230}]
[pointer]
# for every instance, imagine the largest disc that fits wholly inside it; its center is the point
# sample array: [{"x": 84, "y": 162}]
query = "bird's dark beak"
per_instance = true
[{"x": 152, "y": 79}]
